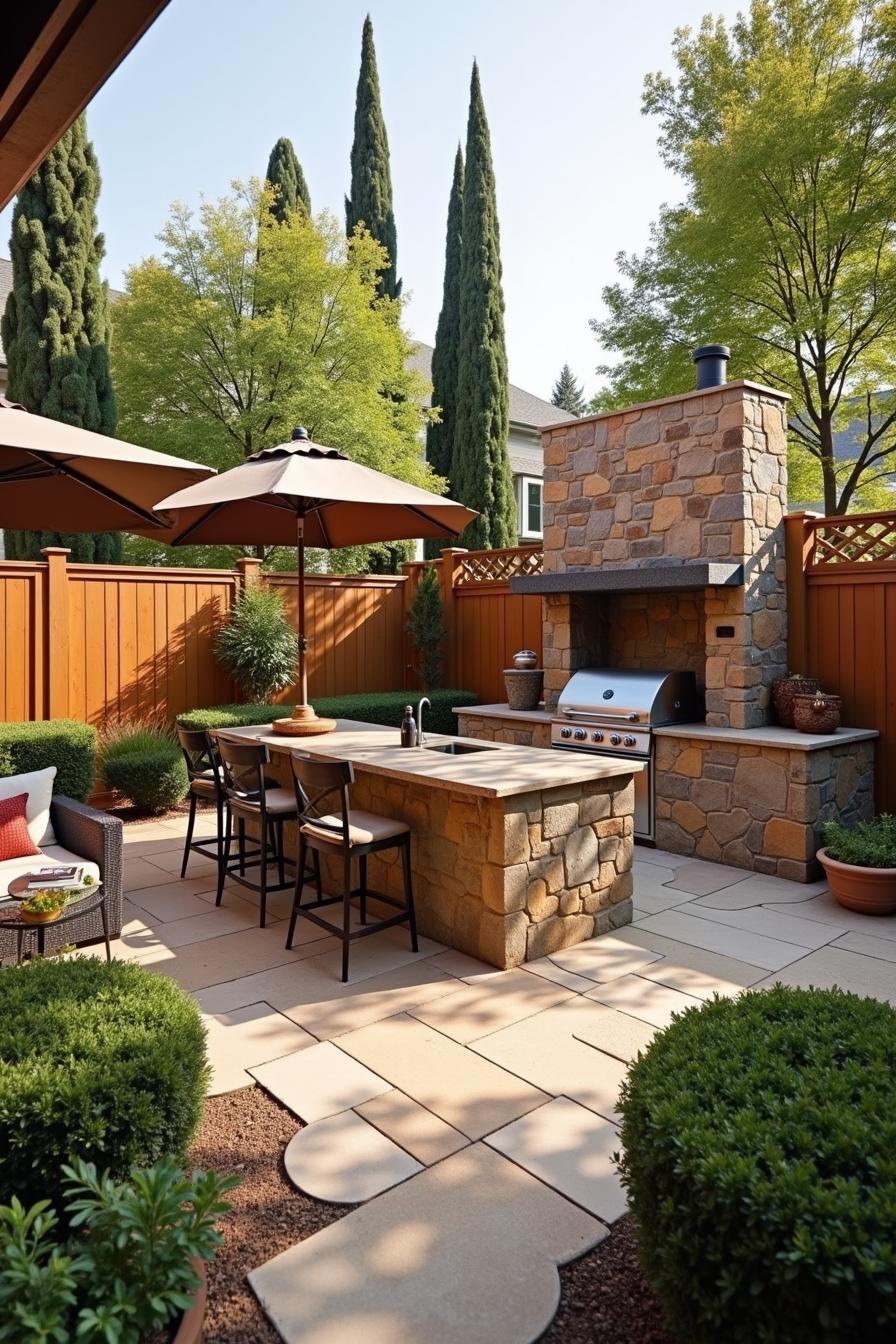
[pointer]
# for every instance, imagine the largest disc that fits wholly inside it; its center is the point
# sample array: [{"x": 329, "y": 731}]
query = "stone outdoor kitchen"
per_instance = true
[{"x": 664, "y": 550}]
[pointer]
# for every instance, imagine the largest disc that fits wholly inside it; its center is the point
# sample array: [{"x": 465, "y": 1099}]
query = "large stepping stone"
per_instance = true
[
  {"x": 345, "y": 1160},
  {"x": 465, "y": 1251}
]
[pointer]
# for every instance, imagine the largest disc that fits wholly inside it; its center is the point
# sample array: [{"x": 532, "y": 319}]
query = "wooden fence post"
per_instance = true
[
  {"x": 249, "y": 569},
  {"x": 448, "y": 583},
  {"x": 798, "y": 542},
  {"x": 57, "y": 643}
]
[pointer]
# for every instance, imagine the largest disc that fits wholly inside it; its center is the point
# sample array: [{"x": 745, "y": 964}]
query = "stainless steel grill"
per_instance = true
[{"x": 613, "y": 713}]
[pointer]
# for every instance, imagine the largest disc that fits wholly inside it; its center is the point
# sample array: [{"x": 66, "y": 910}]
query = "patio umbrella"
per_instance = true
[
  {"x": 301, "y": 493},
  {"x": 58, "y": 478}
]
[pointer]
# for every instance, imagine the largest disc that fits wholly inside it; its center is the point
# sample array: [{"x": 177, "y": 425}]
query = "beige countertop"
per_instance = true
[
  {"x": 788, "y": 739},
  {"x": 495, "y": 770},
  {"x": 540, "y": 715}
]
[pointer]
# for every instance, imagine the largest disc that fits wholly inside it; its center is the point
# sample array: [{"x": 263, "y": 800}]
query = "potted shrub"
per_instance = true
[
  {"x": 126, "y": 1264},
  {"x": 43, "y": 906},
  {"x": 860, "y": 863}
]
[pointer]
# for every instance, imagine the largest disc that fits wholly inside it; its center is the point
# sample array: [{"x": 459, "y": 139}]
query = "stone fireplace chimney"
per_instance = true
[{"x": 664, "y": 543}]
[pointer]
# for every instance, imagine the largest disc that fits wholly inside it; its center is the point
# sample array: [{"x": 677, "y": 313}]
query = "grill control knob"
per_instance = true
[
  {"x": 597, "y": 737},
  {"x": 580, "y": 734},
  {"x": 630, "y": 741},
  {"x": 615, "y": 739},
  {"x": 566, "y": 732}
]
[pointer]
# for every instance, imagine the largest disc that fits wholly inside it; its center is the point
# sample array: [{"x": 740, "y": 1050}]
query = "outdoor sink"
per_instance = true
[{"x": 454, "y": 748}]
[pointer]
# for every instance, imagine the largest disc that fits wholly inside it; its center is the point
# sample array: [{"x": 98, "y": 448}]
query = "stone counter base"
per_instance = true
[
  {"x": 515, "y": 731},
  {"x": 760, "y": 808},
  {"x": 507, "y": 880}
]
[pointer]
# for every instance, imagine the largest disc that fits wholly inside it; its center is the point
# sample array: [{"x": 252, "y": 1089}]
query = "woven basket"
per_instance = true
[
  {"x": 784, "y": 692},
  {"x": 817, "y": 713}
]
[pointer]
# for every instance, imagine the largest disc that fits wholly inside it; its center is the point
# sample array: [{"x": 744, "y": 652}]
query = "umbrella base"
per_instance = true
[{"x": 304, "y": 723}]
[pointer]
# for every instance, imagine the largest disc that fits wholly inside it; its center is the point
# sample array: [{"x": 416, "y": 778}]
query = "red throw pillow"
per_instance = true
[{"x": 15, "y": 842}]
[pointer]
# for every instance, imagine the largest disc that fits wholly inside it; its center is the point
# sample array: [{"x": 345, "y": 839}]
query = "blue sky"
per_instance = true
[{"x": 208, "y": 90}]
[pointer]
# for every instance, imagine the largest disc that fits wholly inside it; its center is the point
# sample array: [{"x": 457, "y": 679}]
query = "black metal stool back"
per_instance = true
[
  {"x": 204, "y": 774},
  {"x": 336, "y": 833},
  {"x": 248, "y": 798}
]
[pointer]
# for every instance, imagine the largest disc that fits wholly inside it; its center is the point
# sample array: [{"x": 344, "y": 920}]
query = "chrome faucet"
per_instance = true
[{"x": 421, "y": 738}]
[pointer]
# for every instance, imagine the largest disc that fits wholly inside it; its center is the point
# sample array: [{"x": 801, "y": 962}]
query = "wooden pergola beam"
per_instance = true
[{"x": 55, "y": 55}]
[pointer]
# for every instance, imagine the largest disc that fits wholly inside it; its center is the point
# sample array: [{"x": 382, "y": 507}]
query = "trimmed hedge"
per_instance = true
[
  {"x": 65, "y": 743},
  {"x": 759, "y": 1153},
  {"x": 384, "y": 707},
  {"x": 146, "y": 765},
  {"x": 103, "y": 1061}
]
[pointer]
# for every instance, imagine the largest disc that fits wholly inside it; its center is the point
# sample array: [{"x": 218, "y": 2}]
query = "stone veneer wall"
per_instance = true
[
  {"x": 701, "y": 476},
  {"x": 509, "y": 879},
  {"x": 758, "y": 807},
  {"x": 651, "y": 630},
  {"x": 517, "y": 732}
]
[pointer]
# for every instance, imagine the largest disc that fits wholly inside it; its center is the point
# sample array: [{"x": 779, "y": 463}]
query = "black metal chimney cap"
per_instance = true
[
  {"x": 300, "y": 432},
  {"x": 711, "y": 361}
]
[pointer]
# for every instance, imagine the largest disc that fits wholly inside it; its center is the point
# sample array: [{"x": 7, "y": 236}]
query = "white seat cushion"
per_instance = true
[
  {"x": 38, "y": 784},
  {"x": 275, "y": 800},
  {"x": 50, "y": 854},
  {"x": 363, "y": 828}
]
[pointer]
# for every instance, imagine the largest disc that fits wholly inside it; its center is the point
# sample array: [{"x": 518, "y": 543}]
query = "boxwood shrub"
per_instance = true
[
  {"x": 383, "y": 707},
  {"x": 759, "y": 1153},
  {"x": 103, "y": 1061},
  {"x": 145, "y": 764},
  {"x": 65, "y": 743}
]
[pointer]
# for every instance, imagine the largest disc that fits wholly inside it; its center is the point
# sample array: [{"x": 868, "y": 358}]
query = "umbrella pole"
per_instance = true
[{"x": 302, "y": 710}]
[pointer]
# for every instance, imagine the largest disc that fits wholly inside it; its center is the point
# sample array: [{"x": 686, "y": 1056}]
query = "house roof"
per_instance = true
[
  {"x": 526, "y": 410},
  {"x": 6, "y": 286}
]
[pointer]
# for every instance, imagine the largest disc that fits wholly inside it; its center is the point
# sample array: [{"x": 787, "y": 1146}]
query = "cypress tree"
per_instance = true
[
  {"x": 370, "y": 199},
  {"x": 55, "y": 329},
  {"x": 568, "y": 394},
  {"x": 480, "y": 466},
  {"x": 445, "y": 353},
  {"x": 285, "y": 173}
]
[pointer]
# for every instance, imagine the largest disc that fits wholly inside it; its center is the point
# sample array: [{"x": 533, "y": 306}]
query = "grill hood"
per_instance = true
[{"x": 647, "y": 698}]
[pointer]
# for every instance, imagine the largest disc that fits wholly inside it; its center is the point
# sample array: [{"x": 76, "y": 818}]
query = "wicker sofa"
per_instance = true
[{"x": 83, "y": 835}]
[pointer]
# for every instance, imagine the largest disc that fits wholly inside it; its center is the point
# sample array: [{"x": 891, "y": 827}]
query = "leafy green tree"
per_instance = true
[
  {"x": 285, "y": 174},
  {"x": 480, "y": 466},
  {"x": 783, "y": 129},
  {"x": 440, "y": 433},
  {"x": 245, "y": 327},
  {"x": 569, "y": 395},
  {"x": 426, "y": 629},
  {"x": 55, "y": 329},
  {"x": 370, "y": 199}
]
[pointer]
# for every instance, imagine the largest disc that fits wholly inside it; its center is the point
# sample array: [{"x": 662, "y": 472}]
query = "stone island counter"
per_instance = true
[{"x": 516, "y": 852}]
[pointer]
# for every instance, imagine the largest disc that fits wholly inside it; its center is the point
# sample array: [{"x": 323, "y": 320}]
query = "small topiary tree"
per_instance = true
[
  {"x": 256, "y": 645},
  {"x": 426, "y": 629},
  {"x": 759, "y": 1154}
]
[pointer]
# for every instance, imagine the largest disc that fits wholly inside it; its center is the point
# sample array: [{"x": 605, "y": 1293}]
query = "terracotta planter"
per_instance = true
[
  {"x": 784, "y": 691},
  {"x": 190, "y": 1329},
  {"x": 870, "y": 891}
]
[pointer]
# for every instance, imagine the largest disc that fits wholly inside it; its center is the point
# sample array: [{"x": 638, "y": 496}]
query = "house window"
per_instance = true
[{"x": 530, "y": 512}]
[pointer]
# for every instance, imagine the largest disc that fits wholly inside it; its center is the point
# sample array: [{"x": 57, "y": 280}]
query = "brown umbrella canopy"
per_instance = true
[
  {"x": 299, "y": 494},
  {"x": 340, "y": 502},
  {"x": 58, "y": 478}
]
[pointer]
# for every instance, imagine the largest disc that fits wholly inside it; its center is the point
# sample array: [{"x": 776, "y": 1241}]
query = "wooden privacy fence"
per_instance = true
[
  {"x": 95, "y": 642},
  {"x": 486, "y": 623},
  {"x": 841, "y": 589}
]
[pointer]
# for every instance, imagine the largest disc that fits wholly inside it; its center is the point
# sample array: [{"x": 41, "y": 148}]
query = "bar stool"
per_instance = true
[
  {"x": 206, "y": 782},
  {"x": 351, "y": 834},
  {"x": 250, "y": 795}
]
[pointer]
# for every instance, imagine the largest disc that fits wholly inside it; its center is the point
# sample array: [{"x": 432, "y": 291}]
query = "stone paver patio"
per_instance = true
[{"x": 472, "y": 1109}]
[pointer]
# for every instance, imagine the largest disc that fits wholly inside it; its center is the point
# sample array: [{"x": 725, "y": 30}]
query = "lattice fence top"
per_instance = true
[
  {"x": 498, "y": 566},
  {"x": 860, "y": 539}
]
